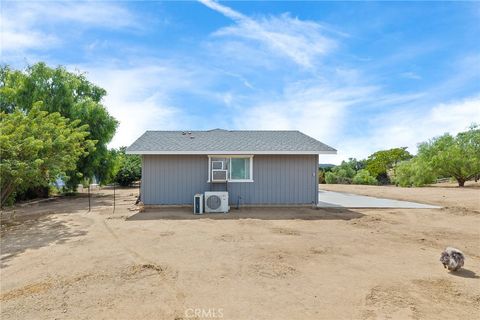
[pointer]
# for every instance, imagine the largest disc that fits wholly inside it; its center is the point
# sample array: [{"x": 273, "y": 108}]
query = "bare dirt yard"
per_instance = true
[{"x": 59, "y": 261}]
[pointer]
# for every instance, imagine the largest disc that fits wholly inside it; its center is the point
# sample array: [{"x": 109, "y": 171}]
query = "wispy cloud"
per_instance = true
[
  {"x": 90, "y": 14},
  {"x": 301, "y": 41},
  {"x": 254, "y": 72},
  {"x": 411, "y": 75},
  {"x": 345, "y": 106},
  {"x": 35, "y": 25},
  {"x": 140, "y": 97},
  {"x": 15, "y": 39},
  {"x": 408, "y": 127},
  {"x": 319, "y": 111}
]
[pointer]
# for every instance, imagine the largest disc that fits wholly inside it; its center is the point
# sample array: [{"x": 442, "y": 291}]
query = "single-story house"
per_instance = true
[{"x": 255, "y": 167}]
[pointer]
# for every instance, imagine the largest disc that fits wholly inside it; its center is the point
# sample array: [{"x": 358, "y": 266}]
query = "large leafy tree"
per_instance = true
[
  {"x": 380, "y": 162},
  {"x": 457, "y": 157},
  {"x": 38, "y": 147},
  {"x": 111, "y": 165},
  {"x": 70, "y": 94}
]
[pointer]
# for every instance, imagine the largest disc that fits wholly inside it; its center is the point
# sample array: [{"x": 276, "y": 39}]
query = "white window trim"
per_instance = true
[{"x": 230, "y": 156}]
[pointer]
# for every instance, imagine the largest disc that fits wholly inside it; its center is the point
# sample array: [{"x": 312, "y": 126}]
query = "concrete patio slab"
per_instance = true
[{"x": 330, "y": 199}]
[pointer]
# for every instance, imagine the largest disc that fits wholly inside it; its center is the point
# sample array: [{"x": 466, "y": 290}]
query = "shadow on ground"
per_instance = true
[
  {"x": 465, "y": 273},
  {"x": 35, "y": 224},
  {"x": 20, "y": 236},
  {"x": 68, "y": 204},
  {"x": 249, "y": 213}
]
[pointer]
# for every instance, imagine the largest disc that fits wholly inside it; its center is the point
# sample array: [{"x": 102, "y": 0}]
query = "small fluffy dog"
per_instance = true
[{"x": 452, "y": 259}]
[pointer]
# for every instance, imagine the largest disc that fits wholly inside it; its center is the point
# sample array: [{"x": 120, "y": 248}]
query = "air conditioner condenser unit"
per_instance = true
[{"x": 216, "y": 201}]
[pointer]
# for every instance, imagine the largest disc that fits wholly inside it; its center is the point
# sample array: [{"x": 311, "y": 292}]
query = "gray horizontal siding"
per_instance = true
[
  {"x": 173, "y": 179},
  {"x": 278, "y": 179}
]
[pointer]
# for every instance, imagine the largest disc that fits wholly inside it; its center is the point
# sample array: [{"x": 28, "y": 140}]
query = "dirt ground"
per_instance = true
[{"x": 59, "y": 261}]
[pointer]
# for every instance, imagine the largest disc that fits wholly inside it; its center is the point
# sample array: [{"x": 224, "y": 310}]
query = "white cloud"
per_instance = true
[
  {"x": 301, "y": 41},
  {"x": 411, "y": 75},
  {"x": 16, "y": 39},
  {"x": 317, "y": 110},
  {"x": 407, "y": 128},
  {"x": 103, "y": 14},
  {"x": 26, "y": 25},
  {"x": 139, "y": 97},
  {"x": 17, "y": 33},
  {"x": 328, "y": 107},
  {"x": 226, "y": 11},
  {"x": 143, "y": 91}
]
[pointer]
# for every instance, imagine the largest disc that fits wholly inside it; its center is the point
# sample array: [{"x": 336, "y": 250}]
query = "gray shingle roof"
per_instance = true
[{"x": 220, "y": 141}]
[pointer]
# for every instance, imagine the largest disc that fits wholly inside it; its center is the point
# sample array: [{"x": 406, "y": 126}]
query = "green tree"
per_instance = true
[
  {"x": 10, "y": 84},
  {"x": 363, "y": 176},
  {"x": 111, "y": 165},
  {"x": 380, "y": 162},
  {"x": 331, "y": 178},
  {"x": 130, "y": 168},
  {"x": 457, "y": 157},
  {"x": 344, "y": 172},
  {"x": 74, "y": 97},
  {"x": 414, "y": 173},
  {"x": 322, "y": 170},
  {"x": 355, "y": 164},
  {"x": 36, "y": 148}
]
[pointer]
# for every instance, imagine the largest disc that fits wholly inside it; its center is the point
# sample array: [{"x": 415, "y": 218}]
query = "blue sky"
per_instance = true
[{"x": 359, "y": 76}]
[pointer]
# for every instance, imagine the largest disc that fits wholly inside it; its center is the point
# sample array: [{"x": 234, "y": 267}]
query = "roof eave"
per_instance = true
[{"x": 207, "y": 152}]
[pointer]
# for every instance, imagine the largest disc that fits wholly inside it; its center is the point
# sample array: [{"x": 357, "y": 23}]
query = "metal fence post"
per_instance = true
[
  {"x": 114, "y": 197},
  {"x": 89, "y": 198}
]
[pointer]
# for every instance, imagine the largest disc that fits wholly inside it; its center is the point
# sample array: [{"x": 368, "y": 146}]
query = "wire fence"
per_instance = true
[
  {"x": 110, "y": 196},
  {"x": 109, "y": 199}
]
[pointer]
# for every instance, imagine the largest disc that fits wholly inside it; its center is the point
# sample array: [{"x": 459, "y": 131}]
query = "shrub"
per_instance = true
[
  {"x": 341, "y": 174},
  {"x": 344, "y": 176},
  {"x": 321, "y": 176},
  {"x": 130, "y": 171},
  {"x": 330, "y": 178},
  {"x": 364, "y": 177},
  {"x": 414, "y": 173}
]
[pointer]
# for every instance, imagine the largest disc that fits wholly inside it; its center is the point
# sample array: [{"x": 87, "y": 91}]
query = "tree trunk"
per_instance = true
[
  {"x": 5, "y": 193},
  {"x": 461, "y": 182}
]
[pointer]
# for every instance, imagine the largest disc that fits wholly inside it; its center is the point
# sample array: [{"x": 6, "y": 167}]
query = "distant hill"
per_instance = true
[{"x": 325, "y": 165}]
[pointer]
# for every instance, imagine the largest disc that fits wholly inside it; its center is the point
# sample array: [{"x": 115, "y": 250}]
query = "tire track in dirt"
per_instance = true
[
  {"x": 140, "y": 259},
  {"x": 134, "y": 255}
]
